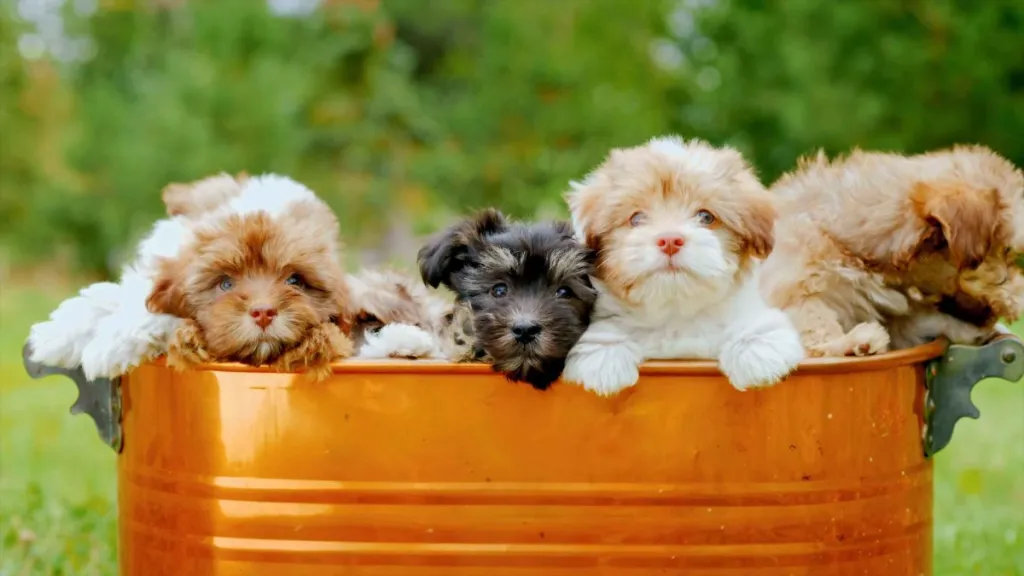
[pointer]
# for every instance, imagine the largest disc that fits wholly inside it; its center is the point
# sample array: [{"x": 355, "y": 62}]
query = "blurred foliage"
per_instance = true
[
  {"x": 882, "y": 74},
  {"x": 385, "y": 105}
]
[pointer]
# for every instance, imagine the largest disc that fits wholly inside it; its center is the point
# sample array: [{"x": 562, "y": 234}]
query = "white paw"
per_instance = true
[
  {"x": 603, "y": 369},
  {"x": 761, "y": 360},
  {"x": 400, "y": 341},
  {"x": 867, "y": 338}
]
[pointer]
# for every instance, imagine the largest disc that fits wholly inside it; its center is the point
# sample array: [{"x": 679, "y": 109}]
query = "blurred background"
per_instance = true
[{"x": 405, "y": 113}]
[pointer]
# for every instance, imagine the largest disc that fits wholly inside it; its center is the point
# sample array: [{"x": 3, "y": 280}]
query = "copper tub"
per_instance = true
[{"x": 410, "y": 468}]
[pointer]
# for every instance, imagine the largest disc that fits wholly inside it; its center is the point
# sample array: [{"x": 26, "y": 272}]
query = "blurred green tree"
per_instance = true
[
  {"x": 398, "y": 114},
  {"x": 176, "y": 93},
  {"x": 529, "y": 95},
  {"x": 784, "y": 79}
]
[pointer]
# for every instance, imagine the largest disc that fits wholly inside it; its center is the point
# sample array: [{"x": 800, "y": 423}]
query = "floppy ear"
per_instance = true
[
  {"x": 966, "y": 215},
  {"x": 757, "y": 229},
  {"x": 750, "y": 216},
  {"x": 447, "y": 253},
  {"x": 168, "y": 294}
]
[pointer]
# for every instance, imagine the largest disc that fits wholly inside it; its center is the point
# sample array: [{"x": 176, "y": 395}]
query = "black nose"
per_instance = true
[{"x": 526, "y": 332}]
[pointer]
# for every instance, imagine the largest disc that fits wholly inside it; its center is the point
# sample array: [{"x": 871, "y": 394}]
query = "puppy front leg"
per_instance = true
[
  {"x": 822, "y": 334},
  {"x": 324, "y": 344},
  {"x": 187, "y": 348},
  {"x": 604, "y": 361},
  {"x": 761, "y": 354}
]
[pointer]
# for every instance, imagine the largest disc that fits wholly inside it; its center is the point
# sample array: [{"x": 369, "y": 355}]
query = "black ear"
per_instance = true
[{"x": 446, "y": 253}]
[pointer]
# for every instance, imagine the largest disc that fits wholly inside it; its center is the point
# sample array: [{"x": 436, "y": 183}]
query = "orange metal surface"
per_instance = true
[{"x": 420, "y": 469}]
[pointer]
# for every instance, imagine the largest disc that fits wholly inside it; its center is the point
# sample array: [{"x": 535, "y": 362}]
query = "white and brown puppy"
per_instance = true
[
  {"x": 880, "y": 250},
  {"x": 399, "y": 317},
  {"x": 679, "y": 228}
]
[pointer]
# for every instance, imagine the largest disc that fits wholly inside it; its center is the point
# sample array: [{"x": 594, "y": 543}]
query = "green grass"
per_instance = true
[{"x": 57, "y": 490}]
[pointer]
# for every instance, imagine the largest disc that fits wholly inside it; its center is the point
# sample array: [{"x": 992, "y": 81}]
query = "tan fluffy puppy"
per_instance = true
[
  {"x": 679, "y": 228},
  {"x": 877, "y": 251}
]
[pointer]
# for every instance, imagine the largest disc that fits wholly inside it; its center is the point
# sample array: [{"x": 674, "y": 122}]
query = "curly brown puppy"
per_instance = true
[{"x": 259, "y": 282}]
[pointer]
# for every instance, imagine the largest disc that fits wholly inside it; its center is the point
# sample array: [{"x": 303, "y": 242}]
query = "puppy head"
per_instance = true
[
  {"x": 672, "y": 217},
  {"x": 256, "y": 283},
  {"x": 960, "y": 218},
  {"x": 972, "y": 222},
  {"x": 526, "y": 285}
]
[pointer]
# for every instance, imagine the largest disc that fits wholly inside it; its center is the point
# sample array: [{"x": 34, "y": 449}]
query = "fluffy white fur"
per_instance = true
[
  {"x": 700, "y": 303},
  {"x": 106, "y": 328}
]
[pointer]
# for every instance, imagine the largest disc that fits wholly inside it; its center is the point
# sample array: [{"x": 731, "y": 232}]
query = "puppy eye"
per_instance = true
[
  {"x": 564, "y": 292},
  {"x": 706, "y": 218},
  {"x": 295, "y": 280},
  {"x": 637, "y": 219},
  {"x": 499, "y": 290},
  {"x": 226, "y": 283}
]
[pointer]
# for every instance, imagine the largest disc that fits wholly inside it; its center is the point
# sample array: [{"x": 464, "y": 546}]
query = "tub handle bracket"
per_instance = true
[
  {"x": 951, "y": 379},
  {"x": 100, "y": 398}
]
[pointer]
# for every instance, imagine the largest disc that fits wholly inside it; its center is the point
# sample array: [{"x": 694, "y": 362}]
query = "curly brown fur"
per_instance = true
[
  {"x": 526, "y": 286},
  {"x": 879, "y": 250},
  {"x": 187, "y": 347},
  {"x": 323, "y": 344},
  {"x": 258, "y": 287}
]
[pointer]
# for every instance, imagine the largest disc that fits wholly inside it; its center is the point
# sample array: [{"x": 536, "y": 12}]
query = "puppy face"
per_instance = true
[
  {"x": 527, "y": 287},
  {"x": 672, "y": 217},
  {"x": 971, "y": 220},
  {"x": 256, "y": 284}
]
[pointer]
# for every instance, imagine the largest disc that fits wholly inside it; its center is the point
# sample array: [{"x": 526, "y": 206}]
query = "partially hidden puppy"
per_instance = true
[
  {"x": 106, "y": 328},
  {"x": 878, "y": 251},
  {"x": 525, "y": 287},
  {"x": 398, "y": 317},
  {"x": 679, "y": 228},
  {"x": 258, "y": 281}
]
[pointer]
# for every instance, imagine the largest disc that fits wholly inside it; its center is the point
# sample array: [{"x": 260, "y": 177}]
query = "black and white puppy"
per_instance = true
[{"x": 526, "y": 286}]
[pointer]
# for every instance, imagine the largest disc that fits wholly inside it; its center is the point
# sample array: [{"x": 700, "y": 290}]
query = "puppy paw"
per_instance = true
[
  {"x": 399, "y": 341},
  {"x": 864, "y": 339},
  {"x": 324, "y": 344},
  {"x": 187, "y": 348},
  {"x": 761, "y": 360},
  {"x": 603, "y": 369}
]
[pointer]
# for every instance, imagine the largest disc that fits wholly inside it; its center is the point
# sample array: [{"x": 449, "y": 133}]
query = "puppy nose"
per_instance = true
[
  {"x": 525, "y": 332},
  {"x": 670, "y": 244},
  {"x": 263, "y": 316}
]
